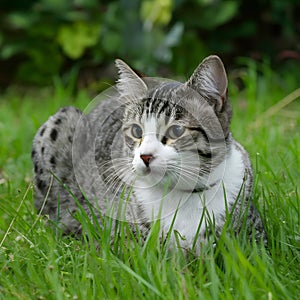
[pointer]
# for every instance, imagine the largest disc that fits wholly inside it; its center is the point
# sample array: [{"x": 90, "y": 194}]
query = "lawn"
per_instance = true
[{"x": 37, "y": 262}]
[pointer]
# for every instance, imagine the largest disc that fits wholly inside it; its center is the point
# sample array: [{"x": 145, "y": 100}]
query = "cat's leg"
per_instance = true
[{"x": 53, "y": 167}]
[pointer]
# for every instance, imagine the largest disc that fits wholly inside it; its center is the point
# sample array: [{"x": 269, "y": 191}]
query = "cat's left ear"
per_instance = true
[
  {"x": 129, "y": 84},
  {"x": 210, "y": 80}
]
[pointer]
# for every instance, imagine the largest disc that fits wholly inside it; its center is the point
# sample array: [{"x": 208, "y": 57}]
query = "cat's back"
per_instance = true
[{"x": 106, "y": 123}]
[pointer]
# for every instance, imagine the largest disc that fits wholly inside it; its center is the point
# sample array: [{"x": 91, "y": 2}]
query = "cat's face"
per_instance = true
[{"x": 174, "y": 135}]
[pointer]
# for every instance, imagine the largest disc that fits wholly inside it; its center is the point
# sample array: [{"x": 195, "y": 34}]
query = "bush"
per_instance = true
[{"x": 42, "y": 38}]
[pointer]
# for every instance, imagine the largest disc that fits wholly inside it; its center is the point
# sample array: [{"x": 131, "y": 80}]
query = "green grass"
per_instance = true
[{"x": 38, "y": 263}]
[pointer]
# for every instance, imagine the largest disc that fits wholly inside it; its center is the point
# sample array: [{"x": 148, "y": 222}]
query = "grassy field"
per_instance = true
[{"x": 38, "y": 263}]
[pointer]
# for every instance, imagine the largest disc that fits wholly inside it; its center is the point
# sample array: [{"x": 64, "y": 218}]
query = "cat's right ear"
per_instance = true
[
  {"x": 130, "y": 84},
  {"x": 210, "y": 80}
]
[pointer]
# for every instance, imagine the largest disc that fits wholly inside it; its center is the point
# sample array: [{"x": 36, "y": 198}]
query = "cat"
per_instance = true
[{"x": 157, "y": 148}]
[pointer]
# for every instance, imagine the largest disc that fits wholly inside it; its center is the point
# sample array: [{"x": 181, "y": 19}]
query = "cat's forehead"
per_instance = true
[
  {"x": 166, "y": 89},
  {"x": 171, "y": 100}
]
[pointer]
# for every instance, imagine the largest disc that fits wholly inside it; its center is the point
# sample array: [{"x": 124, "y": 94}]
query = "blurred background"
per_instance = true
[{"x": 78, "y": 40}]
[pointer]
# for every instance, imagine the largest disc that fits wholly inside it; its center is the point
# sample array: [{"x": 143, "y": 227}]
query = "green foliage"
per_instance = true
[
  {"x": 41, "y": 38},
  {"x": 156, "y": 12},
  {"x": 75, "y": 38},
  {"x": 51, "y": 33}
]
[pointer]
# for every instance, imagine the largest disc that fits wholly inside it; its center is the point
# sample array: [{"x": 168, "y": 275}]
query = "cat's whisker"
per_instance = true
[
  {"x": 120, "y": 173},
  {"x": 115, "y": 186},
  {"x": 186, "y": 175},
  {"x": 116, "y": 176},
  {"x": 114, "y": 162},
  {"x": 120, "y": 184},
  {"x": 115, "y": 169},
  {"x": 193, "y": 171}
]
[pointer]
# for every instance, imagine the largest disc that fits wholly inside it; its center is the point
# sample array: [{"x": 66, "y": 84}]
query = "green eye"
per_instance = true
[
  {"x": 136, "y": 131},
  {"x": 175, "y": 131}
]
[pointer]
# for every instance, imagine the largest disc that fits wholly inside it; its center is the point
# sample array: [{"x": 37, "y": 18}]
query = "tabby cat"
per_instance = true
[{"x": 151, "y": 149}]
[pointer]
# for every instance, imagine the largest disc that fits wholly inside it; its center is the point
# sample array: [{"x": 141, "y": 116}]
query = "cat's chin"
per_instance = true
[{"x": 142, "y": 172}]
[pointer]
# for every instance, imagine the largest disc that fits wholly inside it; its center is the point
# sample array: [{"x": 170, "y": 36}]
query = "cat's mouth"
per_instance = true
[
  {"x": 151, "y": 172},
  {"x": 155, "y": 169}
]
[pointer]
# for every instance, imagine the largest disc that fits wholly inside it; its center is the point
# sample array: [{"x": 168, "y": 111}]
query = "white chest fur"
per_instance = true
[{"x": 226, "y": 181}]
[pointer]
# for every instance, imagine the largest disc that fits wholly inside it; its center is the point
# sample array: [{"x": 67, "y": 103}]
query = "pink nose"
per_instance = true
[{"x": 146, "y": 159}]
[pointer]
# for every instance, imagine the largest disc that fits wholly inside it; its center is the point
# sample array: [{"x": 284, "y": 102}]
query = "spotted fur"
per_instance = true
[{"x": 163, "y": 145}]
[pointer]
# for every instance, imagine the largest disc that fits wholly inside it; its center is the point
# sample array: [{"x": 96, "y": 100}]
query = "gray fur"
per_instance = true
[{"x": 85, "y": 151}]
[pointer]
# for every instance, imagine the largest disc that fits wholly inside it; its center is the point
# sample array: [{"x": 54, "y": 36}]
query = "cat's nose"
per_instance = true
[{"x": 146, "y": 159}]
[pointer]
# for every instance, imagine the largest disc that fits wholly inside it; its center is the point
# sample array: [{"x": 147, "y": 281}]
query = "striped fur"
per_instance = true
[{"x": 163, "y": 144}]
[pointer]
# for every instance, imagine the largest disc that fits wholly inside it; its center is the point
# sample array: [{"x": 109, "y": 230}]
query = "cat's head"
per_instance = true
[{"x": 176, "y": 133}]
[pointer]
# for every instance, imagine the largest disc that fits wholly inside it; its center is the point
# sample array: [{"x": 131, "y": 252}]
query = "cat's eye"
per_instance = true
[
  {"x": 136, "y": 131},
  {"x": 175, "y": 131}
]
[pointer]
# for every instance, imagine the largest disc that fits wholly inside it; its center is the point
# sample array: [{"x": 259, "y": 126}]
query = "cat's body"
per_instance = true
[{"x": 157, "y": 149}]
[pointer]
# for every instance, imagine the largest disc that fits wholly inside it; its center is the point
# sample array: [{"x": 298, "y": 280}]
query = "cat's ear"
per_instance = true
[
  {"x": 210, "y": 80},
  {"x": 129, "y": 84}
]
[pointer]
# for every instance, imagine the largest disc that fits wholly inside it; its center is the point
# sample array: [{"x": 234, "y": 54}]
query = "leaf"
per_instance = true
[
  {"x": 10, "y": 50},
  {"x": 75, "y": 38},
  {"x": 156, "y": 11},
  {"x": 21, "y": 20}
]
